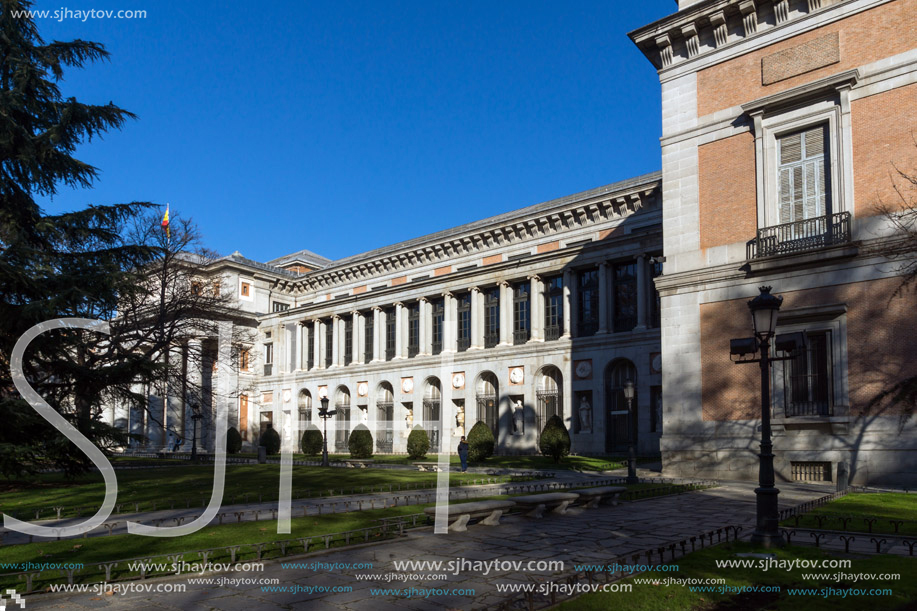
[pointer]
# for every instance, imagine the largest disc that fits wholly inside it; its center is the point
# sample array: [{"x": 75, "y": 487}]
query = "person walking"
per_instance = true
[{"x": 463, "y": 453}]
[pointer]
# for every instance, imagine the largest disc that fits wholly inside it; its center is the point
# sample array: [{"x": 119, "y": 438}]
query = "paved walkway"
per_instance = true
[{"x": 586, "y": 536}]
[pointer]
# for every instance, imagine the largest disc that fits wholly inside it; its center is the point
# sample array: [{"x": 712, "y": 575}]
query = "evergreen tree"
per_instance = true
[{"x": 105, "y": 262}]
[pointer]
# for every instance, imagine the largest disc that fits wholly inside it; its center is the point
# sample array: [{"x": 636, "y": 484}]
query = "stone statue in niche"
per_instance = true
[
  {"x": 408, "y": 422},
  {"x": 585, "y": 416},
  {"x": 518, "y": 419},
  {"x": 459, "y": 422}
]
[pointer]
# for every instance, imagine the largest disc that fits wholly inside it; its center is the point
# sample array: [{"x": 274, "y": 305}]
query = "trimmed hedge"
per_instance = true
[
  {"x": 233, "y": 441},
  {"x": 270, "y": 440},
  {"x": 312, "y": 441},
  {"x": 555, "y": 440},
  {"x": 481, "y": 442},
  {"x": 418, "y": 443},
  {"x": 361, "y": 442}
]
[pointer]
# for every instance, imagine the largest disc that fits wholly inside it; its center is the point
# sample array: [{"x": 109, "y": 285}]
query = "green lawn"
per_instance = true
[
  {"x": 701, "y": 565},
  {"x": 182, "y": 484},
  {"x": 120, "y": 547},
  {"x": 884, "y": 506}
]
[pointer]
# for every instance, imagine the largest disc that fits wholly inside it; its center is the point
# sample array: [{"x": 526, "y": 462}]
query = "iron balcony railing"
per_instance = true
[
  {"x": 800, "y": 236},
  {"x": 520, "y": 336},
  {"x": 552, "y": 332},
  {"x": 809, "y": 408},
  {"x": 491, "y": 339}
]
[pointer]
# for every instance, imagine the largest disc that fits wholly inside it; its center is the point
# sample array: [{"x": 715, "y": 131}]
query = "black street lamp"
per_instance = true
[
  {"x": 324, "y": 414},
  {"x": 764, "y": 309},
  {"x": 196, "y": 415},
  {"x": 629, "y": 392}
]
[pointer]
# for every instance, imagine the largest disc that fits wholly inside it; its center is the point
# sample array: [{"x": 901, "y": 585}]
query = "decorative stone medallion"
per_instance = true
[{"x": 407, "y": 385}]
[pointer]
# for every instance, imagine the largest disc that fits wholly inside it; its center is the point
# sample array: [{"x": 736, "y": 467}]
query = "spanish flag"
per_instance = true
[{"x": 165, "y": 223}]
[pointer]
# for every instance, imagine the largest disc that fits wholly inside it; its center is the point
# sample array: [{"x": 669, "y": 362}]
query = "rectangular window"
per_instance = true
[
  {"x": 389, "y": 334},
  {"x": 280, "y": 307},
  {"x": 268, "y": 359},
  {"x": 244, "y": 356},
  {"x": 491, "y": 317},
  {"x": 808, "y": 378},
  {"x": 308, "y": 339},
  {"x": 413, "y": 329},
  {"x": 243, "y": 416},
  {"x": 522, "y": 319},
  {"x": 329, "y": 341},
  {"x": 348, "y": 340},
  {"x": 554, "y": 307},
  {"x": 439, "y": 311},
  {"x": 802, "y": 175},
  {"x": 588, "y": 310},
  {"x": 369, "y": 324},
  {"x": 463, "y": 321},
  {"x": 625, "y": 292},
  {"x": 655, "y": 409},
  {"x": 655, "y": 301},
  {"x": 245, "y": 289}
]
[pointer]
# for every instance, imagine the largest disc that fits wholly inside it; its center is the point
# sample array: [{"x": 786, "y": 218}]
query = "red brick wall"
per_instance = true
[
  {"x": 865, "y": 37},
  {"x": 881, "y": 346},
  {"x": 884, "y": 133},
  {"x": 726, "y": 176}
]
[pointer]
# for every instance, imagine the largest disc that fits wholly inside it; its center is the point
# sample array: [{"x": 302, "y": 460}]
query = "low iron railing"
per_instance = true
[{"x": 800, "y": 236}]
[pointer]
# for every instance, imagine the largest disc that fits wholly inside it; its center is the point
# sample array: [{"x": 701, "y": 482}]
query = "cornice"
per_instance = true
[{"x": 553, "y": 221}]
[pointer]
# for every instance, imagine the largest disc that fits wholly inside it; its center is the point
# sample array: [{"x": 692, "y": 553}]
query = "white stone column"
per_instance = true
[
  {"x": 536, "y": 309},
  {"x": 425, "y": 327},
  {"x": 642, "y": 290},
  {"x": 400, "y": 328},
  {"x": 300, "y": 347},
  {"x": 335, "y": 340},
  {"x": 506, "y": 314},
  {"x": 478, "y": 317},
  {"x": 318, "y": 341},
  {"x": 603, "y": 297},
  {"x": 377, "y": 326},
  {"x": 193, "y": 393},
  {"x": 569, "y": 303},
  {"x": 357, "y": 336},
  {"x": 450, "y": 335}
]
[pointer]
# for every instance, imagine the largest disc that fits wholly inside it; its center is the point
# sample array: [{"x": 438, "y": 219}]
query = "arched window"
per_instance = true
[
  {"x": 488, "y": 402},
  {"x": 385, "y": 416},
  {"x": 304, "y": 402},
  {"x": 432, "y": 406},
  {"x": 342, "y": 419},
  {"x": 549, "y": 396}
]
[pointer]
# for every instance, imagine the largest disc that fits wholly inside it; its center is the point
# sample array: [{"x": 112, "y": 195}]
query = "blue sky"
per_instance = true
[{"x": 346, "y": 126}]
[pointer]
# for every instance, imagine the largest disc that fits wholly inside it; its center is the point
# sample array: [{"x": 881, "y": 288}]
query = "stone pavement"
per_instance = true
[{"x": 586, "y": 536}]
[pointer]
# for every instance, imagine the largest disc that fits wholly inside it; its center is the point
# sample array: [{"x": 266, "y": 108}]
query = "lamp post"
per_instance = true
[
  {"x": 196, "y": 415},
  {"x": 629, "y": 392},
  {"x": 764, "y": 309},
  {"x": 324, "y": 414}
]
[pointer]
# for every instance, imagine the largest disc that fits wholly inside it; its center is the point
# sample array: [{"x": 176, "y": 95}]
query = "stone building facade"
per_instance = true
[
  {"x": 546, "y": 310},
  {"x": 783, "y": 122}
]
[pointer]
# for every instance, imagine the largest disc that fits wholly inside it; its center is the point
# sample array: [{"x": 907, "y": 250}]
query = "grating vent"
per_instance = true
[{"x": 811, "y": 471}]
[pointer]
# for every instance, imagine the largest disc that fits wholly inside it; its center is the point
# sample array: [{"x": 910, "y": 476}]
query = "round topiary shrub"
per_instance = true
[
  {"x": 555, "y": 440},
  {"x": 311, "y": 442},
  {"x": 270, "y": 440},
  {"x": 361, "y": 442},
  {"x": 233, "y": 441},
  {"x": 480, "y": 442},
  {"x": 418, "y": 443}
]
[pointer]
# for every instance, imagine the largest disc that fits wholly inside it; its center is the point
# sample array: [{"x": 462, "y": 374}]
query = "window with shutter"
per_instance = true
[{"x": 802, "y": 183}]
